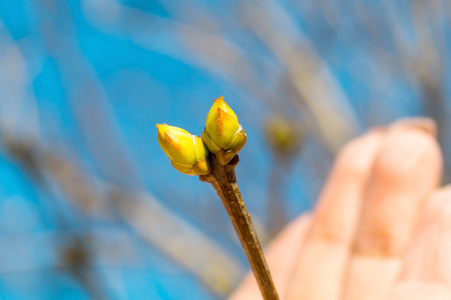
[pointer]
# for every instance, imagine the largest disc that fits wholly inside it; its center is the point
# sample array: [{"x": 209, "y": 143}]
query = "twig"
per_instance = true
[{"x": 223, "y": 179}]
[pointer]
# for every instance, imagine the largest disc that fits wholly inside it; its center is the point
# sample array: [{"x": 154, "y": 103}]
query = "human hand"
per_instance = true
[{"x": 381, "y": 228}]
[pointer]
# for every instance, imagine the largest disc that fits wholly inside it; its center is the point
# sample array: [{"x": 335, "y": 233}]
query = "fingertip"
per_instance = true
[
  {"x": 406, "y": 170},
  {"x": 409, "y": 152},
  {"x": 424, "y": 124},
  {"x": 356, "y": 158}
]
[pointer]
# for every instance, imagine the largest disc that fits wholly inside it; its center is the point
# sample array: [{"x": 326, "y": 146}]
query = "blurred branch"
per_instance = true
[
  {"x": 156, "y": 223},
  {"x": 109, "y": 247},
  {"x": 16, "y": 103},
  {"x": 308, "y": 73},
  {"x": 178, "y": 239},
  {"x": 284, "y": 137},
  {"x": 80, "y": 190},
  {"x": 424, "y": 63},
  {"x": 209, "y": 51}
]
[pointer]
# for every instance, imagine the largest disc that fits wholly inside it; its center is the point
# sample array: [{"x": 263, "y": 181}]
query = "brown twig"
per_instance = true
[{"x": 223, "y": 179}]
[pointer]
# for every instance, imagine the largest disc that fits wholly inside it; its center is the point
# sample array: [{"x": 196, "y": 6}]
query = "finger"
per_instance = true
[
  {"x": 429, "y": 256},
  {"x": 320, "y": 268},
  {"x": 280, "y": 255},
  {"x": 406, "y": 170},
  {"x": 427, "y": 264}
]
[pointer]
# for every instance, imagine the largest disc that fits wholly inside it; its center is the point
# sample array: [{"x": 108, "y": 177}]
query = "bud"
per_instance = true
[
  {"x": 284, "y": 135},
  {"x": 223, "y": 135},
  {"x": 186, "y": 152}
]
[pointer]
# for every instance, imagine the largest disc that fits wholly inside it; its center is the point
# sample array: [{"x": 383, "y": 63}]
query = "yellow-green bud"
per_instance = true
[
  {"x": 223, "y": 134},
  {"x": 186, "y": 152},
  {"x": 284, "y": 135}
]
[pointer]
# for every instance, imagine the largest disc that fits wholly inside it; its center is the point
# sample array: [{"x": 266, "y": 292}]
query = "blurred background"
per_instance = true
[{"x": 90, "y": 207}]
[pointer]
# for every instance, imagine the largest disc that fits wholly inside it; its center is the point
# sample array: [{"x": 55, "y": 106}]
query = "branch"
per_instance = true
[{"x": 223, "y": 179}]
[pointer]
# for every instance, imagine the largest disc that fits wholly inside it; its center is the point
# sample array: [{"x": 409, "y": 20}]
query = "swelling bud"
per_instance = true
[
  {"x": 223, "y": 134},
  {"x": 186, "y": 152}
]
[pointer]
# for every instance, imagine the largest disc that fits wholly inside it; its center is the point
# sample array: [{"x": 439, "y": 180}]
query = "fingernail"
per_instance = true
[{"x": 427, "y": 125}]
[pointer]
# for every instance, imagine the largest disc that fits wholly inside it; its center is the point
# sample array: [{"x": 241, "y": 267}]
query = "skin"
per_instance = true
[{"x": 381, "y": 228}]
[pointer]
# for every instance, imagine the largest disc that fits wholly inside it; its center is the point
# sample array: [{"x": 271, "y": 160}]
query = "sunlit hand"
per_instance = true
[{"x": 381, "y": 228}]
